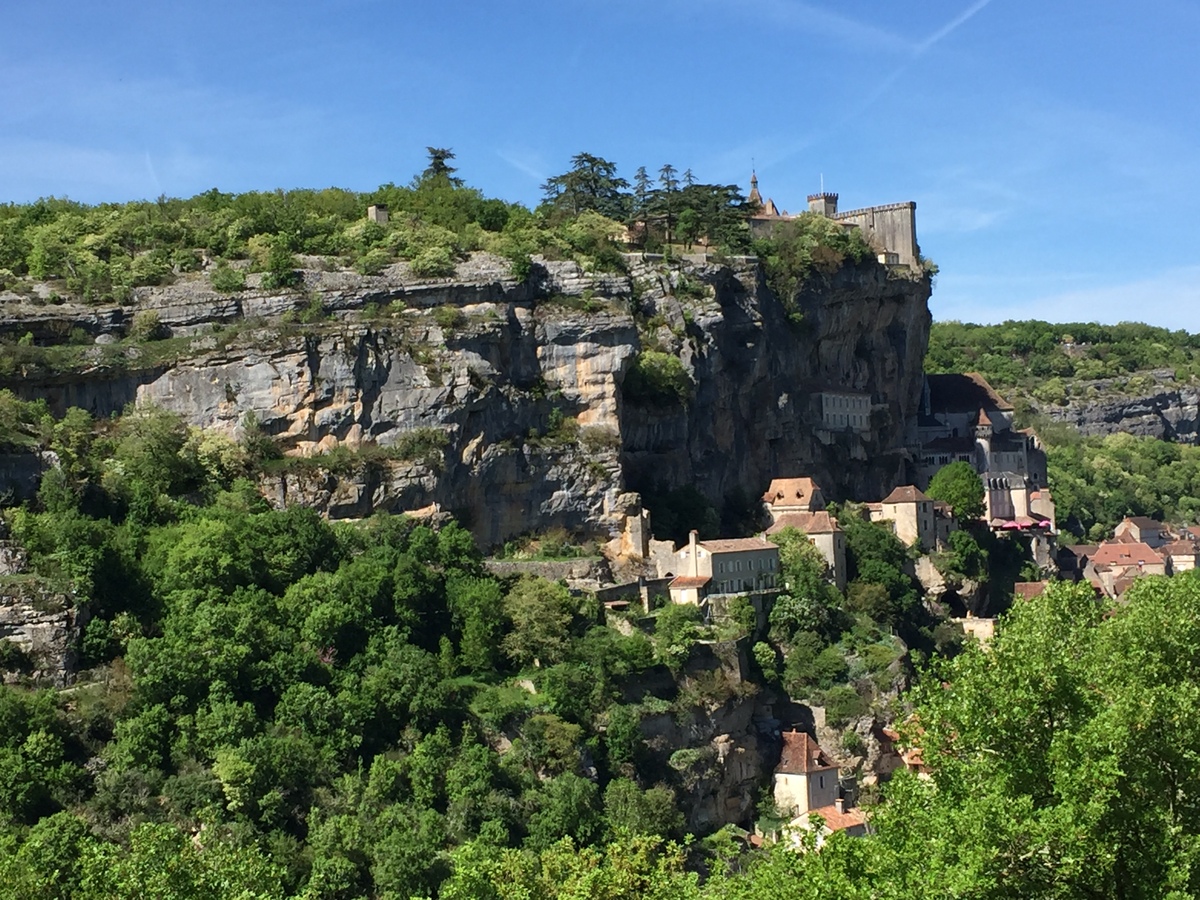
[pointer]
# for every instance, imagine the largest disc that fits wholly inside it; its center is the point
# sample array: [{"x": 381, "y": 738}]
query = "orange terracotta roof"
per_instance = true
[
  {"x": 1030, "y": 589},
  {"x": 905, "y": 494},
  {"x": 788, "y": 491},
  {"x": 983, "y": 417},
  {"x": 1181, "y": 548},
  {"x": 1121, "y": 554},
  {"x": 810, "y": 523},
  {"x": 801, "y": 755},
  {"x": 840, "y": 820},
  {"x": 733, "y": 545}
]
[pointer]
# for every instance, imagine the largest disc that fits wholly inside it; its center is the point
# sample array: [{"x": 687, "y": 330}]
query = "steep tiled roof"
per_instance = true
[
  {"x": 810, "y": 523},
  {"x": 905, "y": 494},
  {"x": 840, "y": 819},
  {"x": 801, "y": 755},
  {"x": 964, "y": 393},
  {"x": 1121, "y": 554},
  {"x": 790, "y": 491},
  {"x": 1144, "y": 523},
  {"x": 1181, "y": 548},
  {"x": 733, "y": 545},
  {"x": 1122, "y": 584}
]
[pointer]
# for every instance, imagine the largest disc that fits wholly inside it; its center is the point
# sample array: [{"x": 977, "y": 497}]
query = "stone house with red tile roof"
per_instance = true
[
  {"x": 911, "y": 515},
  {"x": 732, "y": 566},
  {"x": 1116, "y": 564},
  {"x": 804, "y": 779},
  {"x": 1181, "y": 555},
  {"x": 1143, "y": 529},
  {"x": 824, "y": 533},
  {"x": 807, "y": 788},
  {"x": 792, "y": 495}
]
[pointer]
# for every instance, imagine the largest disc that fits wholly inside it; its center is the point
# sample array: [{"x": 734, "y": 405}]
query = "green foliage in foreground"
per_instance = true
[
  {"x": 1063, "y": 764},
  {"x": 959, "y": 485}
]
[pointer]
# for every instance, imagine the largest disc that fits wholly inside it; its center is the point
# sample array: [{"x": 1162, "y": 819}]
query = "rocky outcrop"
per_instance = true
[
  {"x": 494, "y": 367},
  {"x": 719, "y": 745},
  {"x": 758, "y": 377},
  {"x": 1170, "y": 411},
  {"x": 41, "y": 628}
]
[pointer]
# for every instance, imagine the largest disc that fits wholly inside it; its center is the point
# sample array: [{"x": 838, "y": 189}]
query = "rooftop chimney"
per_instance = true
[
  {"x": 692, "y": 552},
  {"x": 839, "y": 804}
]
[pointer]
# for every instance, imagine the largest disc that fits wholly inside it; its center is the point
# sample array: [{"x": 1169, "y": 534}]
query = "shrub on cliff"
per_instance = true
[
  {"x": 226, "y": 279},
  {"x": 657, "y": 378}
]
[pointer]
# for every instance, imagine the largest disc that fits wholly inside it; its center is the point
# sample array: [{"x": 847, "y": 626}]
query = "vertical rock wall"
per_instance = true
[{"x": 496, "y": 366}]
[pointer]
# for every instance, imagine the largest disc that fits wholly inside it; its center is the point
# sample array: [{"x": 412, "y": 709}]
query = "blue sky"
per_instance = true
[{"x": 1052, "y": 147}]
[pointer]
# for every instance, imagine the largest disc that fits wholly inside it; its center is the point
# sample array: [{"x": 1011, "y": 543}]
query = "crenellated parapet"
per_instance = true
[{"x": 890, "y": 228}]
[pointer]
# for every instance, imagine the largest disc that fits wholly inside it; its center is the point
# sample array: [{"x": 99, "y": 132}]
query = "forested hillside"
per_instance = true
[
  {"x": 263, "y": 703},
  {"x": 272, "y": 702},
  {"x": 1043, "y": 360}
]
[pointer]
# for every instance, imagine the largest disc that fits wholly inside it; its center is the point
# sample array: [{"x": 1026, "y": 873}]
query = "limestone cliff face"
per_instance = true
[
  {"x": 40, "y": 622},
  {"x": 1171, "y": 412},
  {"x": 758, "y": 382},
  {"x": 496, "y": 366}
]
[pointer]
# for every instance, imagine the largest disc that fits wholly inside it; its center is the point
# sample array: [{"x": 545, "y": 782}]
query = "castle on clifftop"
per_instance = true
[{"x": 891, "y": 229}]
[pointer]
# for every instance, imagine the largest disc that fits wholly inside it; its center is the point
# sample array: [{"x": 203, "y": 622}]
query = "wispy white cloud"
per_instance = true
[
  {"x": 951, "y": 26},
  {"x": 526, "y": 163},
  {"x": 115, "y": 138},
  {"x": 810, "y": 19},
  {"x": 868, "y": 100}
]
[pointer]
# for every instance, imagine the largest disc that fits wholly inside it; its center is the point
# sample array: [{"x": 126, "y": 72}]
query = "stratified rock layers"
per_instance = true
[{"x": 496, "y": 366}]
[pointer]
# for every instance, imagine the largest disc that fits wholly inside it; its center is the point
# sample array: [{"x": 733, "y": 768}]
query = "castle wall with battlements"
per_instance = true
[{"x": 892, "y": 228}]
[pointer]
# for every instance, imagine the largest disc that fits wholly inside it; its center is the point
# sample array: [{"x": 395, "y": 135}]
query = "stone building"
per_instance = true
[
  {"x": 792, "y": 495},
  {"x": 963, "y": 419},
  {"x": 799, "y": 503},
  {"x": 891, "y": 229},
  {"x": 1143, "y": 529},
  {"x": 823, "y": 532},
  {"x": 912, "y": 516},
  {"x": 734, "y": 566},
  {"x": 805, "y": 785},
  {"x": 805, "y": 779}
]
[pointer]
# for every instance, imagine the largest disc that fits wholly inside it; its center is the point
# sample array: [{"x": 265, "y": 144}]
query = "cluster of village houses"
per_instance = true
[
  {"x": 961, "y": 419},
  {"x": 1140, "y": 546}
]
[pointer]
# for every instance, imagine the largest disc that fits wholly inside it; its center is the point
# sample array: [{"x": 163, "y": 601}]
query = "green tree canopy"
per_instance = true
[{"x": 959, "y": 485}]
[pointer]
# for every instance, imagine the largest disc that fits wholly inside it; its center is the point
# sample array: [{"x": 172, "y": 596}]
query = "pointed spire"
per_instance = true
[{"x": 755, "y": 196}]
